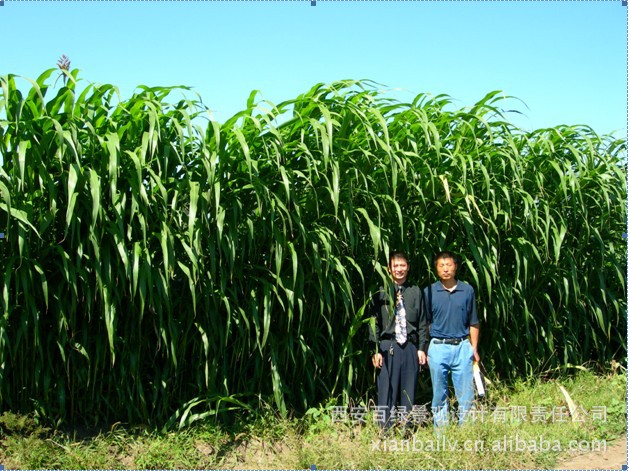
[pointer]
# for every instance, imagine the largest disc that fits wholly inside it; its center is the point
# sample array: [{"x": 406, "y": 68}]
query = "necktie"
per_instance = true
[{"x": 400, "y": 319}]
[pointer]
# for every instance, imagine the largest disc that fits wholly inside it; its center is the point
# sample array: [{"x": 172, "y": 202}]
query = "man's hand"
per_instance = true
[
  {"x": 376, "y": 360},
  {"x": 421, "y": 357},
  {"x": 474, "y": 331}
]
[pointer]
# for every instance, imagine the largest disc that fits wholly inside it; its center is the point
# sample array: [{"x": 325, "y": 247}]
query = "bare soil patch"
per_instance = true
[{"x": 614, "y": 457}]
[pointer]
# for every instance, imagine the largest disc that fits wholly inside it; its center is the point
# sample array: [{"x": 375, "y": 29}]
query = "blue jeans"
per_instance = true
[{"x": 457, "y": 359}]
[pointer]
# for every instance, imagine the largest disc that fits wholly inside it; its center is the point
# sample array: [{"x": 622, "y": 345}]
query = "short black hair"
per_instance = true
[
  {"x": 446, "y": 254},
  {"x": 399, "y": 254}
]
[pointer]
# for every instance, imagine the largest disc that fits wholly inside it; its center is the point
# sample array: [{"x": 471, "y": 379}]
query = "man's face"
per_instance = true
[
  {"x": 446, "y": 269},
  {"x": 398, "y": 267}
]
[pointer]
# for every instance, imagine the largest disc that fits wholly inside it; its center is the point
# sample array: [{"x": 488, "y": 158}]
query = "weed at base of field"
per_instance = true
[{"x": 267, "y": 441}]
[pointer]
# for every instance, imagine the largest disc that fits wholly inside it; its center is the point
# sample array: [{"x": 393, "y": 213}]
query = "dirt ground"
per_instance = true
[{"x": 613, "y": 458}]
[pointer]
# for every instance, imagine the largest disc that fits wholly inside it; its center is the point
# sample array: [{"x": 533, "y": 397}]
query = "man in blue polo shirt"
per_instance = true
[{"x": 453, "y": 327}]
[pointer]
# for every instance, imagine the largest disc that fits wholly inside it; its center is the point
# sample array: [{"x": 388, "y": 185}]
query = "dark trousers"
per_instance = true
[{"x": 396, "y": 381}]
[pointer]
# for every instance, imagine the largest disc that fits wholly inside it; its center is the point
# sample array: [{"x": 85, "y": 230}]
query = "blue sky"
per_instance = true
[{"x": 566, "y": 60}]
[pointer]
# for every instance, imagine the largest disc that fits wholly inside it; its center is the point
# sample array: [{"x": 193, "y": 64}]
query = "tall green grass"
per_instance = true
[{"x": 162, "y": 267}]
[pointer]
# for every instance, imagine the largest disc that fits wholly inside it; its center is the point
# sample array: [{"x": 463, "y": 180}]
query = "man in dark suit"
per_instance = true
[{"x": 399, "y": 339}]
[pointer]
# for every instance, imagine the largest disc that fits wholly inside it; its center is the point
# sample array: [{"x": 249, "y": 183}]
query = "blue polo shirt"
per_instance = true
[{"x": 450, "y": 314}]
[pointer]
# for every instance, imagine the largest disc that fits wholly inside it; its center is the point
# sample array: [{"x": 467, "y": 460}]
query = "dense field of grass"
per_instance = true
[
  {"x": 162, "y": 268},
  {"x": 264, "y": 440}
]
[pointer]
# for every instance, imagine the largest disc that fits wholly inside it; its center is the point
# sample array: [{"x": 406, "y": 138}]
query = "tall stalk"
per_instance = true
[{"x": 162, "y": 267}]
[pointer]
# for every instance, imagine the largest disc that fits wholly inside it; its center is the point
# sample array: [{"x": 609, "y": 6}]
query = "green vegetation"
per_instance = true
[
  {"x": 162, "y": 268},
  {"x": 263, "y": 440}
]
